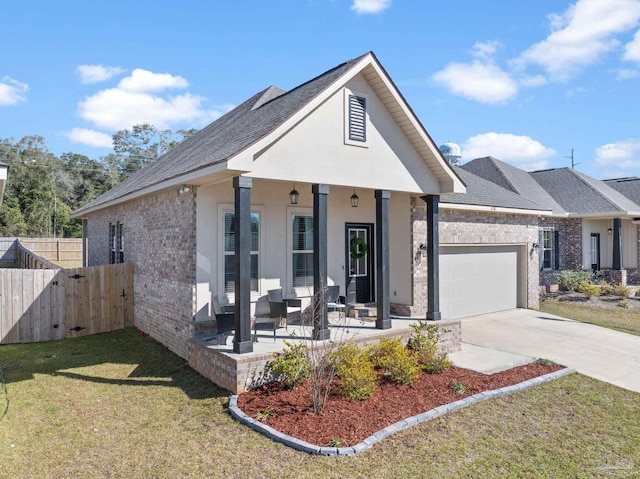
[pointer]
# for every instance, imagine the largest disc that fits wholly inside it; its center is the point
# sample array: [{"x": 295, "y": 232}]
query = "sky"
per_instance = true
[{"x": 523, "y": 81}]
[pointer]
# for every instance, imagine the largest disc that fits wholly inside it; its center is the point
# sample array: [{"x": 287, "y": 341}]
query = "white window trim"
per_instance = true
[
  {"x": 542, "y": 249},
  {"x": 299, "y": 291},
  {"x": 230, "y": 298},
  {"x": 347, "y": 140}
]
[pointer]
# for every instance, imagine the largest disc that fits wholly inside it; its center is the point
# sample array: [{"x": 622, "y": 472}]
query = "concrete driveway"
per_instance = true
[{"x": 598, "y": 352}]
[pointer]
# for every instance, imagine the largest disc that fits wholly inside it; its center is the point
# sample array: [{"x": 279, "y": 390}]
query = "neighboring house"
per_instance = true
[
  {"x": 4, "y": 172},
  {"x": 592, "y": 226},
  {"x": 279, "y": 192}
]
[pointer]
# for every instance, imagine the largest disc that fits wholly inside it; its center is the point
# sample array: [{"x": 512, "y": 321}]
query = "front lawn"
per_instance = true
[
  {"x": 117, "y": 405},
  {"x": 625, "y": 320}
]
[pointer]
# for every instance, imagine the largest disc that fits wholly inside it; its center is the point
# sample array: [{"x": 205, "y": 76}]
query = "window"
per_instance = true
[
  {"x": 302, "y": 250},
  {"x": 357, "y": 118},
  {"x": 358, "y": 266},
  {"x": 116, "y": 242},
  {"x": 547, "y": 249},
  {"x": 229, "y": 251}
]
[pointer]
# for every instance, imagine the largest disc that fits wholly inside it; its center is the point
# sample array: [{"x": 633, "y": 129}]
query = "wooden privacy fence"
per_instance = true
[
  {"x": 30, "y": 260},
  {"x": 51, "y": 249},
  {"x": 47, "y": 304}
]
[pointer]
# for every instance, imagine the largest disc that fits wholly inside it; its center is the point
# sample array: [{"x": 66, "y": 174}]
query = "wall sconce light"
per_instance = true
[
  {"x": 184, "y": 189},
  {"x": 354, "y": 199},
  {"x": 610, "y": 231},
  {"x": 422, "y": 247},
  {"x": 535, "y": 246},
  {"x": 294, "y": 195}
]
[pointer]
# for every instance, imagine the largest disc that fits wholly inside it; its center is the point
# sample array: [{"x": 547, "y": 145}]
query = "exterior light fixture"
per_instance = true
[
  {"x": 294, "y": 195},
  {"x": 183, "y": 189},
  {"x": 354, "y": 199},
  {"x": 610, "y": 231}
]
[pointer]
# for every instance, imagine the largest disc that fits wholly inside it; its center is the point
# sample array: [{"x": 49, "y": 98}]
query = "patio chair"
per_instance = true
[
  {"x": 265, "y": 323},
  {"x": 335, "y": 302},
  {"x": 283, "y": 308},
  {"x": 225, "y": 319}
]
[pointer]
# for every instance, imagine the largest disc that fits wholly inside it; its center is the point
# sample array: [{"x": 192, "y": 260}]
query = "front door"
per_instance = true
[
  {"x": 595, "y": 251},
  {"x": 359, "y": 262}
]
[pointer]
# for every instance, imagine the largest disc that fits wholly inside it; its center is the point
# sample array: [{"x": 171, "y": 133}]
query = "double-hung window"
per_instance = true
[
  {"x": 229, "y": 251},
  {"x": 302, "y": 250},
  {"x": 547, "y": 249},
  {"x": 116, "y": 242}
]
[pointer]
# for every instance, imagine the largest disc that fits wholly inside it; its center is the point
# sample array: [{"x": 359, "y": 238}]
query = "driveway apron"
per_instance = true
[{"x": 601, "y": 353}]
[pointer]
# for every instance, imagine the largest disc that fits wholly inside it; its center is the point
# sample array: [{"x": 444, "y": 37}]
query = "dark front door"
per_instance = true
[
  {"x": 595, "y": 251},
  {"x": 359, "y": 262}
]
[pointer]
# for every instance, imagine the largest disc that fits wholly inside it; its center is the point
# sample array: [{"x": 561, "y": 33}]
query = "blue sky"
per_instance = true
[{"x": 522, "y": 81}]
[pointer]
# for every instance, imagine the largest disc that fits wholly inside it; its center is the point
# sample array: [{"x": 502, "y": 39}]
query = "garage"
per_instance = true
[{"x": 480, "y": 279}]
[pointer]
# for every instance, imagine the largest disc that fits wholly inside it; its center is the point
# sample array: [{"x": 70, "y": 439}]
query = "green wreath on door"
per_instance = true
[{"x": 358, "y": 248}]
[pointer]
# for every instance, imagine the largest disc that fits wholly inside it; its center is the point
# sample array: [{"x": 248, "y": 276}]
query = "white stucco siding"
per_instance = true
[
  {"x": 315, "y": 150},
  {"x": 629, "y": 243},
  {"x": 272, "y": 200}
]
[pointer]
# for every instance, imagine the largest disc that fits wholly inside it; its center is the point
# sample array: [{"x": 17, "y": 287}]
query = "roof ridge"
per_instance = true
[{"x": 512, "y": 187}]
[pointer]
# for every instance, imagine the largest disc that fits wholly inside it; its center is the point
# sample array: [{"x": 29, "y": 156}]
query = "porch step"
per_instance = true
[{"x": 359, "y": 310}]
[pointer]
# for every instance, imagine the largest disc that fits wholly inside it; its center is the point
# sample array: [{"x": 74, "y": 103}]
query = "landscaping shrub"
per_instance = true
[
  {"x": 292, "y": 365},
  {"x": 589, "y": 289},
  {"x": 354, "y": 368},
  {"x": 570, "y": 280},
  {"x": 614, "y": 290},
  {"x": 399, "y": 363},
  {"x": 424, "y": 343},
  {"x": 624, "y": 304}
]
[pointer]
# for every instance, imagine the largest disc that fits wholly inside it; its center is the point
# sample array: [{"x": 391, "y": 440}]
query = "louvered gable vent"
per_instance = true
[{"x": 357, "y": 118}]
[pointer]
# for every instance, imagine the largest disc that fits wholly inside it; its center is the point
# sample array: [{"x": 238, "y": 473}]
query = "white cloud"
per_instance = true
[
  {"x": 486, "y": 50},
  {"x": 621, "y": 156},
  {"x": 12, "y": 91},
  {"x": 581, "y": 36},
  {"x": 482, "y": 82},
  {"x": 138, "y": 99},
  {"x": 370, "y": 6},
  {"x": 521, "y": 151},
  {"x": 97, "y": 73},
  {"x": 90, "y": 137},
  {"x": 627, "y": 74},
  {"x": 532, "y": 80},
  {"x": 632, "y": 49},
  {"x": 145, "y": 81}
]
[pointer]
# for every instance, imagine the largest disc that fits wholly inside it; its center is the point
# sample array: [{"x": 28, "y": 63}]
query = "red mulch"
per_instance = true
[{"x": 351, "y": 421}]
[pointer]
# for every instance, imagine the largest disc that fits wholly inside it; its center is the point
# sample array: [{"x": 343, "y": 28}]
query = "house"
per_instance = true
[
  {"x": 333, "y": 182},
  {"x": 4, "y": 174},
  {"x": 592, "y": 225}
]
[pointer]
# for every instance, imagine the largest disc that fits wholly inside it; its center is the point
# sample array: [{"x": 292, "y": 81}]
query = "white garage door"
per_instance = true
[{"x": 478, "y": 279}]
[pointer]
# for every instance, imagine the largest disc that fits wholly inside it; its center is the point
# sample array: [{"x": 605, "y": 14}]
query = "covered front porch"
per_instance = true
[{"x": 254, "y": 235}]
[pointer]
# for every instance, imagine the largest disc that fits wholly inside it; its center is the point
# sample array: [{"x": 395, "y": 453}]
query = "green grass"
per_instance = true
[
  {"x": 116, "y": 405},
  {"x": 625, "y": 320}
]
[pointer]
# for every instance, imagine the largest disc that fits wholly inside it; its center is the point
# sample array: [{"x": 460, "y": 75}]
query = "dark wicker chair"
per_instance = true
[
  {"x": 335, "y": 302},
  {"x": 225, "y": 319},
  {"x": 282, "y": 308}
]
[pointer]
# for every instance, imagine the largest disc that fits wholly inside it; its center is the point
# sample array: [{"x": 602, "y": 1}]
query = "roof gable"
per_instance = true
[
  {"x": 265, "y": 117},
  {"x": 482, "y": 192}
]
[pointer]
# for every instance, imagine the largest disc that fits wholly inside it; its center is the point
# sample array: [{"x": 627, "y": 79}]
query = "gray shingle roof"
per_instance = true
[
  {"x": 513, "y": 179},
  {"x": 482, "y": 192},
  {"x": 580, "y": 194},
  {"x": 629, "y": 187},
  {"x": 226, "y": 136}
]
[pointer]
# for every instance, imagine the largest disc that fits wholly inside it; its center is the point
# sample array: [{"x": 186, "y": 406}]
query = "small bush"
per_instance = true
[
  {"x": 354, "y": 368},
  {"x": 589, "y": 289},
  {"x": 292, "y": 365},
  {"x": 570, "y": 280},
  {"x": 458, "y": 388},
  {"x": 398, "y": 362},
  {"x": 546, "y": 362},
  {"x": 424, "y": 342},
  {"x": 614, "y": 290},
  {"x": 624, "y": 304},
  {"x": 263, "y": 416}
]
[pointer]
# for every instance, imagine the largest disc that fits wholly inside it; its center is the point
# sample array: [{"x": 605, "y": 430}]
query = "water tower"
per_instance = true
[{"x": 451, "y": 152}]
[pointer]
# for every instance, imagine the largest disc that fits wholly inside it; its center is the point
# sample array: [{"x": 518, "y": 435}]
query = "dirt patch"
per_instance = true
[
  {"x": 346, "y": 422},
  {"x": 609, "y": 302}
]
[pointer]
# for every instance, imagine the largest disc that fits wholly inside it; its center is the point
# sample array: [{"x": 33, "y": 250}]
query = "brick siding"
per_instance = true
[{"x": 160, "y": 240}]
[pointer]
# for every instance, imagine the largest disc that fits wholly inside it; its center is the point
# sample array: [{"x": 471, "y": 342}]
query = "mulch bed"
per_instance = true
[{"x": 351, "y": 421}]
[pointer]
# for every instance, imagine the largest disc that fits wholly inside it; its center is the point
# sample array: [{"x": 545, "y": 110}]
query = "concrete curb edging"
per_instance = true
[{"x": 304, "y": 446}]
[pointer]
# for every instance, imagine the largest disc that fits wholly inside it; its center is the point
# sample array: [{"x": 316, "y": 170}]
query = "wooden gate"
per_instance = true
[{"x": 45, "y": 304}]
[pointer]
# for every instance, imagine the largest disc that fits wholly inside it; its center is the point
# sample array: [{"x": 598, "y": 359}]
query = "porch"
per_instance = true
[
  {"x": 253, "y": 237},
  {"x": 241, "y": 372}
]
